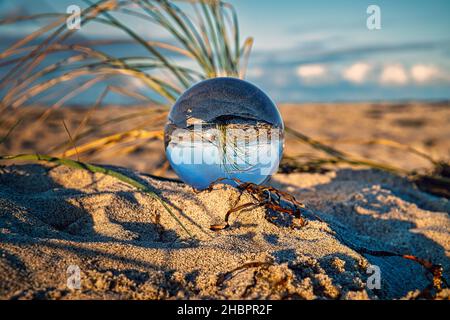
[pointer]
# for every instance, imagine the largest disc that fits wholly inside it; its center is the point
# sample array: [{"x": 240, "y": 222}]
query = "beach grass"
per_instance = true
[{"x": 98, "y": 169}]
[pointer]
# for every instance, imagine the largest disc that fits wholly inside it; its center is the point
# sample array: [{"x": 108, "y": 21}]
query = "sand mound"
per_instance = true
[{"x": 127, "y": 246}]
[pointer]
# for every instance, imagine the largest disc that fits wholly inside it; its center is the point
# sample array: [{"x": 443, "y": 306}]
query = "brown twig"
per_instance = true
[{"x": 264, "y": 196}]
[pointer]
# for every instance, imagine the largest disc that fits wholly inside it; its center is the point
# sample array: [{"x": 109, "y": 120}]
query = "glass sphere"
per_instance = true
[{"x": 224, "y": 128}]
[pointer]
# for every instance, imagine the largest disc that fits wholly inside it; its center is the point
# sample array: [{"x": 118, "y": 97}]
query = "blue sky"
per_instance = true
[{"x": 322, "y": 50}]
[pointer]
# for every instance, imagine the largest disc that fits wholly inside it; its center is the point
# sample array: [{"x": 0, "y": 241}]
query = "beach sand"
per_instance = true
[{"x": 127, "y": 246}]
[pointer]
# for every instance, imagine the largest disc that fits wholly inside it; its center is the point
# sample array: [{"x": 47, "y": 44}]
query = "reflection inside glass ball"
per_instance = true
[{"x": 224, "y": 128}]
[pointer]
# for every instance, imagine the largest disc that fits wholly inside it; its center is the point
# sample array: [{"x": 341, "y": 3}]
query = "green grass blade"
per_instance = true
[{"x": 98, "y": 169}]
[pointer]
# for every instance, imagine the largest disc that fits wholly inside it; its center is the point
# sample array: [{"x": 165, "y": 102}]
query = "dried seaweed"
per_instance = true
[
  {"x": 275, "y": 201},
  {"x": 436, "y": 270}
]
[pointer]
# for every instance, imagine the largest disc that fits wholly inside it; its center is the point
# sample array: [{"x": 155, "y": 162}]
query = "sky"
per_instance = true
[{"x": 322, "y": 50}]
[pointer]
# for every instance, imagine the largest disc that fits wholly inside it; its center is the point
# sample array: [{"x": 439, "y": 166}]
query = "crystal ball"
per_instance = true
[{"x": 224, "y": 129}]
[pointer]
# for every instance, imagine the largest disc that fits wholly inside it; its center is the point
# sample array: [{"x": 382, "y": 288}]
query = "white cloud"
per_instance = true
[
  {"x": 394, "y": 74},
  {"x": 422, "y": 74},
  {"x": 357, "y": 72},
  {"x": 313, "y": 73}
]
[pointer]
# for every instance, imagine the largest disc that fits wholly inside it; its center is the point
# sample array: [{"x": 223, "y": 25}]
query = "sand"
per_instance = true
[{"x": 128, "y": 247}]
